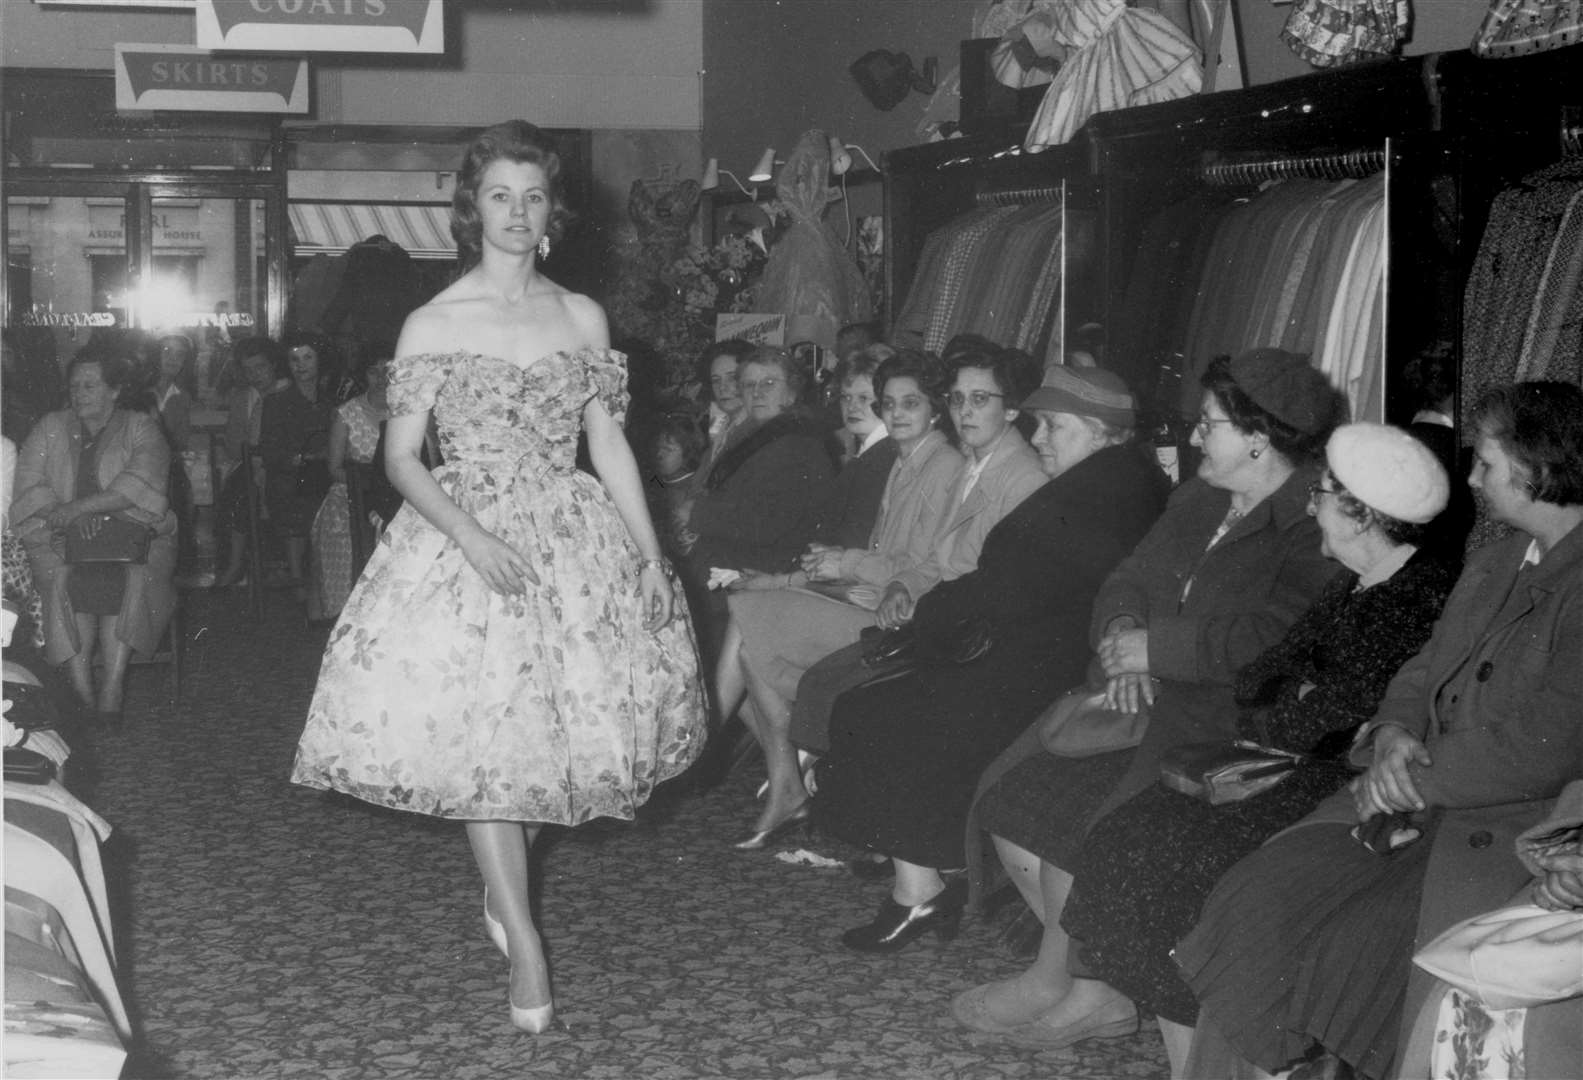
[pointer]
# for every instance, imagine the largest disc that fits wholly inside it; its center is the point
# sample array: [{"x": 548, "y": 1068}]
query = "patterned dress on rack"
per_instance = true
[{"x": 440, "y": 696}]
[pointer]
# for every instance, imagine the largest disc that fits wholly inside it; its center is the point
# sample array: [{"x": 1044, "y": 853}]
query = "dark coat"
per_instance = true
[
  {"x": 761, "y": 500},
  {"x": 1145, "y": 870},
  {"x": 1247, "y": 591},
  {"x": 1496, "y": 697},
  {"x": 851, "y": 500},
  {"x": 905, "y": 754}
]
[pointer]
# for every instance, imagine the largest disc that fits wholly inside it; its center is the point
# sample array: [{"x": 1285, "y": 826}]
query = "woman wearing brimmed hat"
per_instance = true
[
  {"x": 1310, "y": 939},
  {"x": 905, "y": 752},
  {"x": 1222, "y": 576},
  {"x": 1144, "y": 870}
]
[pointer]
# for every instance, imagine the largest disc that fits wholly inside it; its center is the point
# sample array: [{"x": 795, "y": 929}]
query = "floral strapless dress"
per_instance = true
[{"x": 439, "y": 696}]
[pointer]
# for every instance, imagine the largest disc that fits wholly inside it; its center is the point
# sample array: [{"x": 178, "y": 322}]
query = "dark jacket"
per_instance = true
[
  {"x": 851, "y": 500},
  {"x": 760, "y": 503},
  {"x": 1246, "y": 592},
  {"x": 1496, "y": 698}
]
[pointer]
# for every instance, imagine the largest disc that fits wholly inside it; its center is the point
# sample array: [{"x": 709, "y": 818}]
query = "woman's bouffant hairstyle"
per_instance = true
[
  {"x": 737, "y": 349},
  {"x": 797, "y": 375},
  {"x": 1297, "y": 447},
  {"x": 864, "y": 361},
  {"x": 515, "y": 140},
  {"x": 1540, "y": 424},
  {"x": 1394, "y": 529},
  {"x": 119, "y": 370},
  {"x": 922, "y": 369},
  {"x": 1015, "y": 372},
  {"x": 683, "y": 430}
]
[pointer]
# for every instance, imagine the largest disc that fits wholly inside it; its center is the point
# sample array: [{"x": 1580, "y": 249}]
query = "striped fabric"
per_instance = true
[
  {"x": 1123, "y": 57},
  {"x": 330, "y": 228}
]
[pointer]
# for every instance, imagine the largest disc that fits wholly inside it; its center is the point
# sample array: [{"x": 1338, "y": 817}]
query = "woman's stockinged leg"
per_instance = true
[
  {"x": 773, "y": 730},
  {"x": 501, "y": 849},
  {"x": 115, "y": 655},
  {"x": 915, "y": 884},
  {"x": 731, "y": 688},
  {"x": 1022, "y": 866},
  {"x": 80, "y": 667}
]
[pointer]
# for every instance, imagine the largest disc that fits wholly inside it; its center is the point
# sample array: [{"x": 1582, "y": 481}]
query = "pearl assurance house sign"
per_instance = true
[
  {"x": 179, "y": 77},
  {"x": 296, "y": 26}
]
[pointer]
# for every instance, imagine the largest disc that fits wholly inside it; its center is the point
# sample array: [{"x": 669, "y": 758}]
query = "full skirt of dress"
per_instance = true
[{"x": 439, "y": 696}]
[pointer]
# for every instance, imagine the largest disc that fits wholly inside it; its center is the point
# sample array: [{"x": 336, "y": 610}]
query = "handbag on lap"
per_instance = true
[
  {"x": 1079, "y": 725},
  {"x": 1225, "y": 772},
  {"x": 118, "y": 540}
]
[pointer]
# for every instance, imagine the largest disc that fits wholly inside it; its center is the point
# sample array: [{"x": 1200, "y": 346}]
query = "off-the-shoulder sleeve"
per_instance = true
[
  {"x": 415, "y": 382},
  {"x": 607, "y": 368}
]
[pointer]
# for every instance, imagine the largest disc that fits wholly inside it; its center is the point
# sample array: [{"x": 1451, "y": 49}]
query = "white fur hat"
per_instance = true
[{"x": 1388, "y": 470}]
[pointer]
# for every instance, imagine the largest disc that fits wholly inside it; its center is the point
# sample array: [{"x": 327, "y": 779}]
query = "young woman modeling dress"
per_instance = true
[{"x": 515, "y": 652}]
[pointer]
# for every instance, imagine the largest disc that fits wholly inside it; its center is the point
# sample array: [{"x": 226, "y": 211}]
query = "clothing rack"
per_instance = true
[
  {"x": 1352, "y": 164},
  {"x": 1017, "y": 196}
]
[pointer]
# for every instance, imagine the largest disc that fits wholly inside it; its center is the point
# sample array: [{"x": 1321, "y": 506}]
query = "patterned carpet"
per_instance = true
[{"x": 272, "y": 931}]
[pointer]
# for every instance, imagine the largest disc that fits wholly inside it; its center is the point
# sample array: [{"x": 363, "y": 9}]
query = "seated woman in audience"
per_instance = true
[
  {"x": 1143, "y": 871},
  {"x": 1309, "y": 940},
  {"x": 1222, "y": 576},
  {"x": 294, "y": 440},
  {"x": 775, "y": 635},
  {"x": 759, "y": 503},
  {"x": 905, "y": 752},
  {"x": 728, "y": 410},
  {"x": 851, "y": 502},
  {"x": 262, "y": 365},
  {"x": 102, "y": 466},
  {"x": 175, "y": 384},
  {"x": 1000, "y": 470},
  {"x": 354, "y": 436}
]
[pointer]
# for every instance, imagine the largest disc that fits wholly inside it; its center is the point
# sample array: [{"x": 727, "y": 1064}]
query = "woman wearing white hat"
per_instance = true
[{"x": 1145, "y": 869}]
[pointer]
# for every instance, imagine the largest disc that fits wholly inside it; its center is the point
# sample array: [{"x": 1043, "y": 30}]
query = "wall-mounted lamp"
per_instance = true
[
  {"x": 841, "y": 160},
  {"x": 764, "y": 171},
  {"x": 712, "y": 174}
]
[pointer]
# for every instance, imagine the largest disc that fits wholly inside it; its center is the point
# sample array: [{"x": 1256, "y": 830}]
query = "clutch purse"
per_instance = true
[
  {"x": 1511, "y": 958},
  {"x": 25, "y": 766},
  {"x": 1079, "y": 725},
  {"x": 1227, "y": 772},
  {"x": 119, "y": 540}
]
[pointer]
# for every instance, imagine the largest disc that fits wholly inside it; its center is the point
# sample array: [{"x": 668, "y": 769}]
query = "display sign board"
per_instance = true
[
  {"x": 179, "y": 77},
  {"x": 296, "y": 26},
  {"x": 761, "y": 328}
]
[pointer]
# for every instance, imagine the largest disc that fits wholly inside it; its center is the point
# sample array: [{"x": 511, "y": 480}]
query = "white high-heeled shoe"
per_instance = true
[{"x": 535, "y": 1021}]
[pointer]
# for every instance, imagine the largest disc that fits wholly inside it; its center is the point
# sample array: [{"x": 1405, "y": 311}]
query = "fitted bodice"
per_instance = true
[{"x": 493, "y": 412}]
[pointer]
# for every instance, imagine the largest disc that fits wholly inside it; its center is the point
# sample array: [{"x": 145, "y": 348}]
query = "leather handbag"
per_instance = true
[
  {"x": 1079, "y": 725},
  {"x": 1225, "y": 772},
  {"x": 118, "y": 540}
]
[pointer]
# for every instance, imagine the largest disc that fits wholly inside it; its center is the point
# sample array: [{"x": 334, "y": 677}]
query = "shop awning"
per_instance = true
[{"x": 330, "y": 228}]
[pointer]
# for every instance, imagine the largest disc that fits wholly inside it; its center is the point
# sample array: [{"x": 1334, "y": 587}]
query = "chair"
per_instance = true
[{"x": 171, "y": 651}]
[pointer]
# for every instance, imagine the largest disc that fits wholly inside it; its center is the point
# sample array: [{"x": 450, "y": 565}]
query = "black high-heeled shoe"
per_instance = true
[
  {"x": 765, "y": 837},
  {"x": 895, "y": 926}
]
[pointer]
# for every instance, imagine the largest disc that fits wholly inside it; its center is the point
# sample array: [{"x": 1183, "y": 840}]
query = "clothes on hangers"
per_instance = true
[{"x": 994, "y": 271}]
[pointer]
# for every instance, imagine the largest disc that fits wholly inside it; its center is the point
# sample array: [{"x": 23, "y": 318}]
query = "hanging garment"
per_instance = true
[
  {"x": 1330, "y": 33},
  {"x": 1115, "y": 56},
  {"x": 1520, "y": 27}
]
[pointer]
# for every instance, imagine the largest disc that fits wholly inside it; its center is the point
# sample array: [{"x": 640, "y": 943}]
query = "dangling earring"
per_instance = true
[{"x": 544, "y": 246}]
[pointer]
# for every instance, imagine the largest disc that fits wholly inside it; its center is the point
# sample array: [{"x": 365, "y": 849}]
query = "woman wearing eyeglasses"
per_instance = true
[
  {"x": 1145, "y": 869},
  {"x": 905, "y": 753},
  {"x": 999, "y": 471},
  {"x": 1222, "y": 576},
  {"x": 760, "y": 501}
]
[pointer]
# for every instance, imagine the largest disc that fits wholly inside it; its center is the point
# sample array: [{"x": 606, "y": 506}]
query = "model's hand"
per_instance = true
[
  {"x": 895, "y": 607},
  {"x": 500, "y": 565},
  {"x": 1125, "y": 652},
  {"x": 1388, "y": 785},
  {"x": 1129, "y": 693},
  {"x": 658, "y": 599},
  {"x": 88, "y": 525}
]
